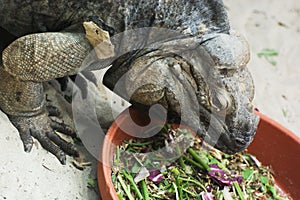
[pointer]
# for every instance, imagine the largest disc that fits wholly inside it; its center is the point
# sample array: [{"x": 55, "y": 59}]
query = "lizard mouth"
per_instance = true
[
  {"x": 232, "y": 135},
  {"x": 238, "y": 139}
]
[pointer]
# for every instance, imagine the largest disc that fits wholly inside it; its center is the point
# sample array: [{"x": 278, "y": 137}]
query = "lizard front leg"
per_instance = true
[
  {"x": 23, "y": 101},
  {"x": 28, "y": 62}
]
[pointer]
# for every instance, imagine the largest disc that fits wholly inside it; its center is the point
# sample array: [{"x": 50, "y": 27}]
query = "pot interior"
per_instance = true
[{"x": 273, "y": 145}]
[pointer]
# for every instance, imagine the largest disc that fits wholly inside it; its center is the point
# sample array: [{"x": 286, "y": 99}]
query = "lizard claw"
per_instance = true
[
  {"x": 26, "y": 138},
  {"x": 41, "y": 127},
  {"x": 47, "y": 144}
]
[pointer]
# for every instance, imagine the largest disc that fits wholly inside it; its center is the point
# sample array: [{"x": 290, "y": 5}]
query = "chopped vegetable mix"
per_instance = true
[
  {"x": 268, "y": 54},
  {"x": 187, "y": 168}
]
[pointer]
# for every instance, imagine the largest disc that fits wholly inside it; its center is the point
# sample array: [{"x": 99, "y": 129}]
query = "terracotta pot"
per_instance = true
[
  {"x": 273, "y": 145},
  {"x": 279, "y": 148}
]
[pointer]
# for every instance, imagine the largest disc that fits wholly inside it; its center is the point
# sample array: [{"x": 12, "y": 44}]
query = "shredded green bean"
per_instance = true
[
  {"x": 238, "y": 189},
  {"x": 196, "y": 172}
]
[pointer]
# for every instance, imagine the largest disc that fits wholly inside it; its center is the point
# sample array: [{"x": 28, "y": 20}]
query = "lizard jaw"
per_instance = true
[
  {"x": 229, "y": 137},
  {"x": 240, "y": 138}
]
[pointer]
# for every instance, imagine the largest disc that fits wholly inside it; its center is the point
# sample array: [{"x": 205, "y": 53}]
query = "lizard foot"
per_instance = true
[
  {"x": 41, "y": 127},
  {"x": 81, "y": 81}
]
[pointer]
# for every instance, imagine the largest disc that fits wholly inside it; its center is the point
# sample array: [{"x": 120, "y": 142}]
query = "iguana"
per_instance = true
[{"x": 52, "y": 44}]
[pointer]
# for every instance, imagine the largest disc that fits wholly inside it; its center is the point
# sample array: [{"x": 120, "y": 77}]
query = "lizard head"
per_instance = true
[
  {"x": 226, "y": 111},
  {"x": 207, "y": 86},
  {"x": 231, "y": 93}
]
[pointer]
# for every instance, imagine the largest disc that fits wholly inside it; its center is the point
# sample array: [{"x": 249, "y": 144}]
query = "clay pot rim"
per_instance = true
[
  {"x": 278, "y": 126},
  {"x": 106, "y": 186}
]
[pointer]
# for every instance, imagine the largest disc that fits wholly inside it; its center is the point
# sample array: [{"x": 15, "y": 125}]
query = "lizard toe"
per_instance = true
[
  {"x": 42, "y": 128},
  {"x": 67, "y": 147},
  {"x": 61, "y": 127},
  {"x": 25, "y": 136},
  {"x": 48, "y": 145},
  {"x": 27, "y": 140}
]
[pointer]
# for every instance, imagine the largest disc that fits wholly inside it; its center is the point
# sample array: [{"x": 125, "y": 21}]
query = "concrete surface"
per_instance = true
[
  {"x": 274, "y": 25},
  {"x": 265, "y": 24}
]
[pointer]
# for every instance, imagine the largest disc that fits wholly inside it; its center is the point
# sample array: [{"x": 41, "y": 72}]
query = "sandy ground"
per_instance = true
[
  {"x": 269, "y": 24},
  {"x": 272, "y": 24}
]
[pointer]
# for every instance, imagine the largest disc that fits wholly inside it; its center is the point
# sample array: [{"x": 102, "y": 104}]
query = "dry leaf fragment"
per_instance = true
[{"x": 99, "y": 39}]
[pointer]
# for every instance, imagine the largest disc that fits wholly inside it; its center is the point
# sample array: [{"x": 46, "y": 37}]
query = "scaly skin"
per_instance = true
[
  {"x": 59, "y": 51},
  {"x": 213, "y": 99}
]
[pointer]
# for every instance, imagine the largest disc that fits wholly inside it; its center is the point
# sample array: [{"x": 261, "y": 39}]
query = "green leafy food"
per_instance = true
[
  {"x": 174, "y": 165},
  {"x": 284, "y": 112},
  {"x": 247, "y": 174},
  {"x": 91, "y": 183},
  {"x": 268, "y": 54}
]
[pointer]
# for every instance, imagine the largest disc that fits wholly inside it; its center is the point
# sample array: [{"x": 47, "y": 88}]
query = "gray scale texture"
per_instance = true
[{"x": 52, "y": 44}]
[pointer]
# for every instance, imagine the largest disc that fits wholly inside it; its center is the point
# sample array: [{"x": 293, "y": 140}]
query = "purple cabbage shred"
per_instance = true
[
  {"x": 155, "y": 176},
  {"x": 222, "y": 177},
  {"x": 254, "y": 159},
  {"x": 207, "y": 196}
]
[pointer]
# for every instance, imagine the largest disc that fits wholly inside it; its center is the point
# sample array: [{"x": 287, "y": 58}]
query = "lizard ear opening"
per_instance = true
[{"x": 220, "y": 99}]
